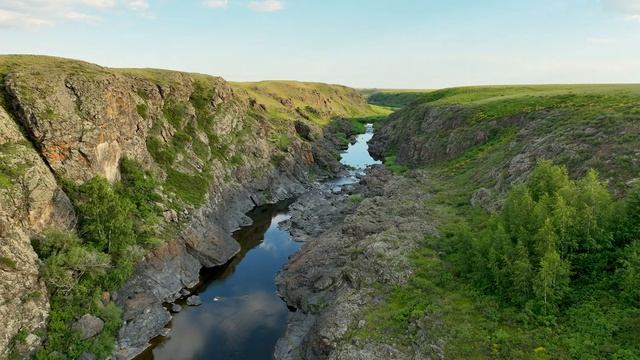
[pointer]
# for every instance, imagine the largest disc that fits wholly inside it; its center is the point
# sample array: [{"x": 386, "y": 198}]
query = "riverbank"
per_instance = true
[{"x": 266, "y": 244}]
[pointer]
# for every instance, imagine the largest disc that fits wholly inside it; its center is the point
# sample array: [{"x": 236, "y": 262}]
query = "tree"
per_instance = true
[
  {"x": 105, "y": 217},
  {"x": 594, "y": 208},
  {"x": 545, "y": 239},
  {"x": 66, "y": 262},
  {"x": 630, "y": 225},
  {"x": 517, "y": 214},
  {"x": 552, "y": 282},
  {"x": 521, "y": 273},
  {"x": 547, "y": 179},
  {"x": 630, "y": 272},
  {"x": 563, "y": 217}
]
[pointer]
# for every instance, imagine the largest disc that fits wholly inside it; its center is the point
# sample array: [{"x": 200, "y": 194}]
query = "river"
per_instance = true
[{"x": 242, "y": 316}]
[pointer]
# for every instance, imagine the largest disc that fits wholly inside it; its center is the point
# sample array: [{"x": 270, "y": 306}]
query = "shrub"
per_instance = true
[
  {"x": 7, "y": 263},
  {"x": 143, "y": 110},
  {"x": 175, "y": 113},
  {"x": 162, "y": 154},
  {"x": 190, "y": 188}
]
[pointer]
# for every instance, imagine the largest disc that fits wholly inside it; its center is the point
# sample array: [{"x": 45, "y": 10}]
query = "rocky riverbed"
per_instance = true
[{"x": 352, "y": 243}]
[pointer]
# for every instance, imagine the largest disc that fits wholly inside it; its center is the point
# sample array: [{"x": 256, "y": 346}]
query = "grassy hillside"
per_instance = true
[
  {"x": 500, "y": 132},
  {"x": 393, "y": 98},
  {"x": 544, "y": 270},
  {"x": 316, "y": 102}
]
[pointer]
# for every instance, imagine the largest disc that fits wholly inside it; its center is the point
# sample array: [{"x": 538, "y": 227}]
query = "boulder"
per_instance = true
[
  {"x": 194, "y": 300},
  {"x": 88, "y": 326},
  {"x": 175, "y": 308},
  {"x": 481, "y": 198}
]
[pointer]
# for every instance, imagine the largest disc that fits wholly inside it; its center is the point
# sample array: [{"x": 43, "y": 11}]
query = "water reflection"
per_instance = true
[
  {"x": 357, "y": 155},
  {"x": 241, "y": 316}
]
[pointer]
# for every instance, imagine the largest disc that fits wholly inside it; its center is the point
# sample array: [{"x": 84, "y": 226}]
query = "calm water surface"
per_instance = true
[{"x": 242, "y": 316}]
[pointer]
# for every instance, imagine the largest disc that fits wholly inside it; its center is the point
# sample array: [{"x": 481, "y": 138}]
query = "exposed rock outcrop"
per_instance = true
[{"x": 30, "y": 201}]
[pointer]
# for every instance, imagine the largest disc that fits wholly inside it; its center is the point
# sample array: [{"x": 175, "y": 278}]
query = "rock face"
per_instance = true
[
  {"x": 30, "y": 201},
  {"x": 88, "y": 326},
  {"x": 73, "y": 120}
]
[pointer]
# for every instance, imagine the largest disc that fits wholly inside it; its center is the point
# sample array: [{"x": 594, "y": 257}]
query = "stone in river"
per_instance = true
[{"x": 194, "y": 300}]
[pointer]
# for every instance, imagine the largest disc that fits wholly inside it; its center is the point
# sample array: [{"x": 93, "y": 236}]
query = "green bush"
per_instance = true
[
  {"x": 115, "y": 222},
  {"x": 161, "y": 153},
  {"x": 190, "y": 188},
  {"x": 7, "y": 263},
  {"x": 282, "y": 141},
  {"x": 143, "y": 110},
  {"x": 175, "y": 113}
]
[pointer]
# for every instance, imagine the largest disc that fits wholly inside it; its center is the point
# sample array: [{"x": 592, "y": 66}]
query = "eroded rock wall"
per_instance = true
[{"x": 30, "y": 201}]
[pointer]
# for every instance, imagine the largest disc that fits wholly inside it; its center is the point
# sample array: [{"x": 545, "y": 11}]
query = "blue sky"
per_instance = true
[{"x": 361, "y": 43}]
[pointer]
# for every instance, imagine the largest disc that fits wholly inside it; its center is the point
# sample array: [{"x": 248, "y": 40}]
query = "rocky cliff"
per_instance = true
[{"x": 216, "y": 149}]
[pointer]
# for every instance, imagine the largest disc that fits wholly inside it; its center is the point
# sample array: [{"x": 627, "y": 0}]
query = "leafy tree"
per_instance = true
[
  {"x": 548, "y": 179},
  {"x": 552, "y": 282},
  {"x": 517, "y": 214},
  {"x": 521, "y": 275},
  {"x": 105, "y": 217},
  {"x": 66, "y": 262},
  {"x": 564, "y": 219},
  {"x": 545, "y": 239},
  {"x": 593, "y": 209},
  {"x": 139, "y": 187},
  {"x": 630, "y": 272}
]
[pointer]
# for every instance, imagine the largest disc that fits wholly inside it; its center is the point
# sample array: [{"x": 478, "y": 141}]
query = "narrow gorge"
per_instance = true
[
  {"x": 183, "y": 156},
  {"x": 154, "y": 214}
]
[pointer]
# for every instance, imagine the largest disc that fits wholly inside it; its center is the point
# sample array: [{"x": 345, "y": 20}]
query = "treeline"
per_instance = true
[
  {"x": 116, "y": 226},
  {"x": 566, "y": 253}
]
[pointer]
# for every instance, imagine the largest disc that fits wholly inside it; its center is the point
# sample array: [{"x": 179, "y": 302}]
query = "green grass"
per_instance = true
[
  {"x": 143, "y": 110},
  {"x": 393, "y": 166},
  {"x": 190, "y": 188},
  {"x": 7, "y": 263},
  {"x": 396, "y": 98},
  {"x": 309, "y": 97},
  {"x": 282, "y": 141}
]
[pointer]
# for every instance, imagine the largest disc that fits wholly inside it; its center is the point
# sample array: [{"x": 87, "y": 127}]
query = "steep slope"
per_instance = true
[
  {"x": 397, "y": 264},
  {"x": 193, "y": 153}
]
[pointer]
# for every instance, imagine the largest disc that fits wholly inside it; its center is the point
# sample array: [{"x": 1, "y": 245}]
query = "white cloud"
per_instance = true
[
  {"x": 266, "y": 5},
  {"x": 601, "y": 40},
  {"x": 630, "y": 8},
  {"x": 78, "y": 16},
  {"x": 38, "y": 13},
  {"x": 10, "y": 19},
  {"x": 216, "y": 4},
  {"x": 138, "y": 5},
  {"x": 633, "y": 17}
]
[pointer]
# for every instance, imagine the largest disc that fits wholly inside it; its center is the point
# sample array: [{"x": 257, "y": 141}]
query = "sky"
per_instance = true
[{"x": 360, "y": 43}]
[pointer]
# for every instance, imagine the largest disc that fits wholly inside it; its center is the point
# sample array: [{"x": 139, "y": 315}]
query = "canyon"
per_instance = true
[{"x": 205, "y": 174}]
